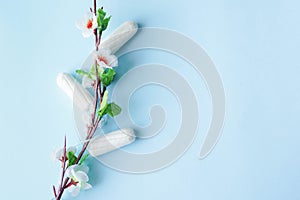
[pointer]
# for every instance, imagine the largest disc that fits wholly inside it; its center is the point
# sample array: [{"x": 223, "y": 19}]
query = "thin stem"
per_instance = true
[
  {"x": 91, "y": 131},
  {"x": 98, "y": 40},
  {"x": 85, "y": 145},
  {"x": 54, "y": 191},
  {"x": 64, "y": 162},
  {"x": 96, "y": 95},
  {"x": 95, "y": 6},
  {"x": 96, "y": 31},
  {"x": 62, "y": 183}
]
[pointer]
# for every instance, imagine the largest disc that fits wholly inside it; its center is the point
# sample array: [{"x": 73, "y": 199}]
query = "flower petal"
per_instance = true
[
  {"x": 88, "y": 15},
  {"x": 71, "y": 170},
  {"x": 86, "y": 186},
  {"x": 74, "y": 190},
  {"x": 103, "y": 65},
  {"x": 112, "y": 60},
  {"x": 80, "y": 24},
  {"x": 86, "y": 82},
  {"x": 83, "y": 168},
  {"x": 72, "y": 149},
  {"x": 59, "y": 153},
  {"x": 87, "y": 32},
  {"x": 95, "y": 22},
  {"x": 81, "y": 176}
]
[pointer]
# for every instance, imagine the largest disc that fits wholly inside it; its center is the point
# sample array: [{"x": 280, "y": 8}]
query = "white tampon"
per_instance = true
[
  {"x": 77, "y": 93},
  {"x": 111, "y": 141},
  {"x": 99, "y": 145},
  {"x": 120, "y": 36},
  {"x": 83, "y": 99}
]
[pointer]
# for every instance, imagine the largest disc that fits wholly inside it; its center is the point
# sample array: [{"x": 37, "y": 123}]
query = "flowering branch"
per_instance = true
[{"x": 74, "y": 174}]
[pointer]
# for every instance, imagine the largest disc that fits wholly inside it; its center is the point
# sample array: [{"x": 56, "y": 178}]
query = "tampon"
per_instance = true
[{"x": 100, "y": 145}]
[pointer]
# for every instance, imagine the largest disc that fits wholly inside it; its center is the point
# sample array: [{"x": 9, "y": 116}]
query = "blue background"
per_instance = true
[{"x": 255, "y": 46}]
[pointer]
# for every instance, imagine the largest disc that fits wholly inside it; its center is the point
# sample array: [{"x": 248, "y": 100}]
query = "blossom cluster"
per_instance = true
[{"x": 78, "y": 173}]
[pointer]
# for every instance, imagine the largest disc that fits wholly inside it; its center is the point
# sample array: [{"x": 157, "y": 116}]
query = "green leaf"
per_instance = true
[
  {"x": 105, "y": 23},
  {"x": 102, "y": 21},
  {"x": 102, "y": 112},
  {"x": 100, "y": 16},
  {"x": 107, "y": 77},
  {"x": 104, "y": 100},
  {"x": 113, "y": 109},
  {"x": 71, "y": 158},
  {"x": 81, "y": 72},
  {"x": 83, "y": 158},
  {"x": 92, "y": 72}
]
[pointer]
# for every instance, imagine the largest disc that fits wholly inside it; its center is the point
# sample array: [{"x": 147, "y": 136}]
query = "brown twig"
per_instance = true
[
  {"x": 54, "y": 191},
  {"x": 91, "y": 131},
  {"x": 62, "y": 184},
  {"x": 96, "y": 94},
  {"x": 64, "y": 160},
  {"x": 85, "y": 145},
  {"x": 95, "y": 31}
]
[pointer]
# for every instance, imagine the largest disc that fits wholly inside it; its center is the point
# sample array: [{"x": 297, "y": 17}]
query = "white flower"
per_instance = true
[
  {"x": 78, "y": 174},
  {"x": 59, "y": 153},
  {"x": 105, "y": 59},
  {"x": 87, "y": 82},
  {"x": 87, "y": 24}
]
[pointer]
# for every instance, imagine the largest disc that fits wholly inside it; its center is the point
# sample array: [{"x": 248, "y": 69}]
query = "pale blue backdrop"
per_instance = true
[{"x": 255, "y": 46}]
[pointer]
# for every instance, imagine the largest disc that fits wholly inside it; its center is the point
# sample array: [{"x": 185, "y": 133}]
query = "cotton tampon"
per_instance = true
[
  {"x": 78, "y": 94},
  {"x": 100, "y": 145},
  {"x": 120, "y": 36},
  {"x": 83, "y": 99}
]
